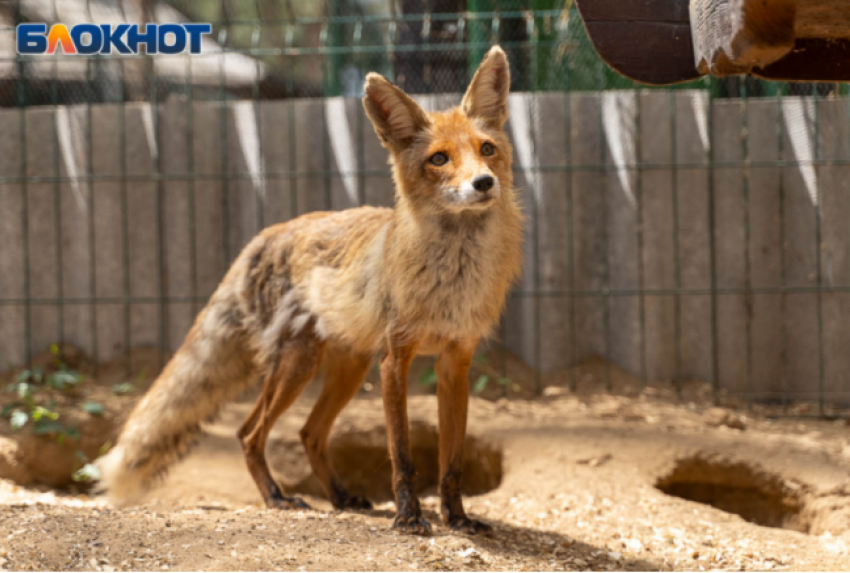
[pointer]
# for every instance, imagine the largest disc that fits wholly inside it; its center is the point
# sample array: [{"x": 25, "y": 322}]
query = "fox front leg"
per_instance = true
[
  {"x": 453, "y": 398},
  {"x": 394, "y": 368}
]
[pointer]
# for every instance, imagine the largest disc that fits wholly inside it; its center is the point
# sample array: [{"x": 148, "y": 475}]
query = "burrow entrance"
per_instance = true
[
  {"x": 736, "y": 487},
  {"x": 361, "y": 460}
]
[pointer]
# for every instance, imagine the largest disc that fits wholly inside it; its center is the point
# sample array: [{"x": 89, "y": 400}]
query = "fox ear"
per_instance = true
[
  {"x": 487, "y": 95},
  {"x": 396, "y": 117}
]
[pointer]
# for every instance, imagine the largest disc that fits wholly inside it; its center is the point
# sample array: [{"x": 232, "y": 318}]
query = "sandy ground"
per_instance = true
[{"x": 574, "y": 481}]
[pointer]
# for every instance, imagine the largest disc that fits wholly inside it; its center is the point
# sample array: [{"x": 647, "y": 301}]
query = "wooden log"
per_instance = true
[
  {"x": 734, "y": 36},
  {"x": 669, "y": 41},
  {"x": 823, "y": 19},
  {"x": 811, "y": 60},
  {"x": 648, "y": 41}
]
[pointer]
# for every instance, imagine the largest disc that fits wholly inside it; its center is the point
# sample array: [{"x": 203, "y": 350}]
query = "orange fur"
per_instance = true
[{"x": 427, "y": 277}]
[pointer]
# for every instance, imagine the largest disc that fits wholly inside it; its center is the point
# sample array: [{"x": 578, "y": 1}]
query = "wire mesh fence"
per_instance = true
[{"x": 692, "y": 232}]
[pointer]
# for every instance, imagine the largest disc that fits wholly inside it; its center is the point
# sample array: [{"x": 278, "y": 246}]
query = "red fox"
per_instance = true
[{"x": 428, "y": 277}]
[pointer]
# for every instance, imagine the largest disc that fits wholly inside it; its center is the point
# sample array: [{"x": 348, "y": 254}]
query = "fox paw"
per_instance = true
[
  {"x": 287, "y": 503},
  {"x": 413, "y": 524},
  {"x": 470, "y": 526}
]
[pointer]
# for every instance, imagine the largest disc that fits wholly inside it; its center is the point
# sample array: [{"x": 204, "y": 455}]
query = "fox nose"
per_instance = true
[{"x": 482, "y": 183}]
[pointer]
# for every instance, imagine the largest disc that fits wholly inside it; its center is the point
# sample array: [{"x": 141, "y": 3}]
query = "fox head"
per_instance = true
[{"x": 456, "y": 160}]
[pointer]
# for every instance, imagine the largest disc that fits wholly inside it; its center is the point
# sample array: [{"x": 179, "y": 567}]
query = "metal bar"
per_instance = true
[
  {"x": 25, "y": 239},
  {"x": 783, "y": 257},
  {"x": 57, "y": 207},
  {"x": 677, "y": 269},
  {"x": 290, "y": 88},
  {"x": 159, "y": 211},
  {"x": 92, "y": 238},
  {"x": 327, "y": 183},
  {"x": 308, "y": 174},
  {"x": 125, "y": 226},
  {"x": 532, "y": 31},
  {"x": 91, "y": 214},
  {"x": 571, "y": 274},
  {"x": 260, "y": 196},
  {"x": 361, "y": 131},
  {"x": 712, "y": 249},
  {"x": 225, "y": 167},
  {"x": 331, "y": 50},
  {"x": 818, "y": 255},
  {"x": 749, "y": 302},
  {"x": 639, "y": 206},
  {"x": 606, "y": 279},
  {"x": 190, "y": 168},
  {"x": 602, "y": 294}
]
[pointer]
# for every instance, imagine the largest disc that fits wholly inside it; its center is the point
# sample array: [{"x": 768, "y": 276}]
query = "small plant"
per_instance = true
[
  {"x": 32, "y": 383},
  {"x": 484, "y": 380},
  {"x": 429, "y": 377},
  {"x": 123, "y": 388},
  {"x": 34, "y": 407},
  {"x": 63, "y": 377},
  {"x": 93, "y": 408},
  {"x": 88, "y": 471}
]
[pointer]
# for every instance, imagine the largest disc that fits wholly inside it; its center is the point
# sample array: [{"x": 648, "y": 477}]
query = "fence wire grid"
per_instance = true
[{"x": 691, "y": 232}]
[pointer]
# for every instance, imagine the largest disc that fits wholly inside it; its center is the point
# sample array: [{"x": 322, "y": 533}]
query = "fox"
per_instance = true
[{"x": 429, "y": 276}]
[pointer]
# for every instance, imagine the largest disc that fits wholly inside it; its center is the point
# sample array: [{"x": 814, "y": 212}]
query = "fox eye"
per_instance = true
[
  {"x": 488, "y": 149},
  {"x": 439, "y": 159}
]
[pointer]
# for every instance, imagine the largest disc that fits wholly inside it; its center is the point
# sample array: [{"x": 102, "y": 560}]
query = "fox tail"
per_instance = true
[{"x": 212, "y": 367}]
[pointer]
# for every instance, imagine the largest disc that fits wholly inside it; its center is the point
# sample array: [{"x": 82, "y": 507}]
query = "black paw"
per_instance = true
[
  {"x": 470, "y": 526},
  {"x": 413, "y": 524},
  {"x": 352, "y": 502},
  {"x": 287, "y": 503}
]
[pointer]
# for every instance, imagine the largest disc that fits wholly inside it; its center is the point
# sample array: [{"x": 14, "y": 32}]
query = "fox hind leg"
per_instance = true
[
  {"x": 298, "y": 362},
  {"x": 343, "y": 377}
]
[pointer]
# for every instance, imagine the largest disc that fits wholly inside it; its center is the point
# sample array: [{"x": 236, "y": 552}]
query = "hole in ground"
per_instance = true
[
  {"x": 736, "y": 487},
  {"x": 361, "y": 460}
]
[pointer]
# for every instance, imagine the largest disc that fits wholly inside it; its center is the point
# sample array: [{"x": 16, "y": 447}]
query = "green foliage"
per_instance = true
[
  {"x": 63, "y": 379},
  {"x": 24, "y": 390},
  {"x": 35, "y": 375},
  {"x": 48, "y": 426},
  {"x": 19, "y": 419},
  {"x": 87, "y": 470},
  {"x": 35, "y": 408},
  {"x": 34, "y": 387},
  {"x": 504, "y": 383},
  {"x": 481, "y": 384},
  {"x": 40, "y": 413},
  {"x": 9, "y": 408},
  {"x": 65, "y": 433},
  {"x": 429, "y": 377},
  {"x": 94, "y": 408},
  {"x": 123, "y": 388}
]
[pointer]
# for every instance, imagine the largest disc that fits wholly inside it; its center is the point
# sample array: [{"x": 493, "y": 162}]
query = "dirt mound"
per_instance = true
[{"x": 68, "y": 410}]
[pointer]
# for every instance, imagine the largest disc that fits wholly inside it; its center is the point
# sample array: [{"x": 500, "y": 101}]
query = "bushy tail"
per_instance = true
[{"x": 211, "y": 368}]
